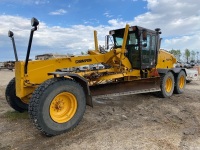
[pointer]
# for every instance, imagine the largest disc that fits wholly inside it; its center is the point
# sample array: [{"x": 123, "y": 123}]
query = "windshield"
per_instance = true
[
  {"x": 132, "y": 40},
  {"x": 118, "y": 41}
]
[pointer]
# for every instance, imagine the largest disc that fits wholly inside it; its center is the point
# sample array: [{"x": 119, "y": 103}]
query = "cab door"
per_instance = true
[{"x": 148, "y": 51}]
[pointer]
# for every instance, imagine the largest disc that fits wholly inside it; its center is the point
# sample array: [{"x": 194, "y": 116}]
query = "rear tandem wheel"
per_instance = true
[
  {"x": 166, "y": 85},
  {"x": 180, "y": 82},
  {"x": 57, "y": 106}
]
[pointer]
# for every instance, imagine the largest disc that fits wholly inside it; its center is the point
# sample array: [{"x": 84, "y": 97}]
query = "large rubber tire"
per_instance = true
[
  {"x": 166, "y": 85},
  {"x": 180, "y": 82},
  {"x": 14, "y": 101},
  {"x": 48, "y": 108}
]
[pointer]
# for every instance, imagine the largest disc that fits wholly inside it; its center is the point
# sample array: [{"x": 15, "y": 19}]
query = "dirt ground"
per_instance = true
[{"x": 141, "y": 122}]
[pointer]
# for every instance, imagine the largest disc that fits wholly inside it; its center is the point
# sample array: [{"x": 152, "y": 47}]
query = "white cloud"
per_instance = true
[
  {"x": 58, "y": 12},
  {"x": 116, "y": 23},
  {"x": 108, "y": 15},
  {"x": 188, "y": 41},
  {"x": 91, "y": 21},
  {"x": 178, "y": 19},
  {"x": 47, "y": 39}
]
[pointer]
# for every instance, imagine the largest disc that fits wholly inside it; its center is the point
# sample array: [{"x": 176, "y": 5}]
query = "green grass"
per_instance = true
[{"x": 14, "y": 115}]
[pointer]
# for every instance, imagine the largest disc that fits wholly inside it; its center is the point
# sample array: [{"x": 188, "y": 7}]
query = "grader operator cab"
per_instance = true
[{"x": 56, "y": 100}]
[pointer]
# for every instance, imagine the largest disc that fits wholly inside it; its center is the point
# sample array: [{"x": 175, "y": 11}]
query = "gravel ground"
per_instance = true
[{"x": 140, "y": 122}]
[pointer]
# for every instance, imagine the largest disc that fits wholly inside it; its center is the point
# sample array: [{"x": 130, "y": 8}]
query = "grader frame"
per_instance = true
[{"x": 56, "y": 99}]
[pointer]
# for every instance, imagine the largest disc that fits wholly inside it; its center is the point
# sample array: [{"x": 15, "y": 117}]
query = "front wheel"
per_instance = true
[
  {"x": 15, "y": 102},
  {"x": 180, "y": 82},
  {"x": 57, "y": 106},
  {"x": 166, "y": 85}
]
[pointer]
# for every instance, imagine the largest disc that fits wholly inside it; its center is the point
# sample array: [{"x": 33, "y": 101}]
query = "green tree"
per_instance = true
[
  {"x": 176, "y": 53},
  {"x": 193, "y": 53},
  {"x": 83, "y": 53},
  {"x": 187, "y": 54}
]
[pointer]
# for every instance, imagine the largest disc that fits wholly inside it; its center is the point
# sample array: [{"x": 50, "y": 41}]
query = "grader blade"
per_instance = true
[{"x": 126, "y": 88}]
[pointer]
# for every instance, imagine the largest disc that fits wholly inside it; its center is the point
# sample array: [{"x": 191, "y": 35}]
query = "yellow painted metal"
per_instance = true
[
  {"x": 165, "y": 60},
  {"x": 134, "y": 73},
  {"x": 168, "y": 85},
  {"x": 90, "y": 52},
  {"x": 96, "y": 41},
  {"x": 124, "y": 42},
  {"x": 125, "y": 38},
  {"x": 110, "y": 77},
  {"x": 63, "y": 107},
  {"x": 38, "y": 70},
  {"x": 121, "y": 67},
  {"x": 19, "y": 78},
  {"x": 22, "y": 91},
  {"x": 182, "y": 82},
  {"x": 25, "y": 99}
]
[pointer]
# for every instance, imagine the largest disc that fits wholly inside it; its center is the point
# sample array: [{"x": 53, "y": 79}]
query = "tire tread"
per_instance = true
[
  {"x": 12, "y": 99},
  {"x": 34, "y": 102}
]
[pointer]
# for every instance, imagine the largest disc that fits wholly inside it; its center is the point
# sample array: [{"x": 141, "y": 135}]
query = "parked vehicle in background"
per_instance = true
[
  {"x": 66, "y": 69},
  {"x": 187, "y": 65},
  {"x": 1, "y": 65},
  {"x": 49, "y": 56},
  {"x": 10, "y": 65},
  {"x": 82, "y": 68},
  {"x": 192, "y": 63},
  {"x": 192, "y": 75},
  {"x": 191, "y": 72},
  {"x": 97, "y": 66}
]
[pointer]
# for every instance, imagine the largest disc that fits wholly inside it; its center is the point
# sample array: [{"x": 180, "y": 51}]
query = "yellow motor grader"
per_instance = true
[{"x": 56, "y": 99}]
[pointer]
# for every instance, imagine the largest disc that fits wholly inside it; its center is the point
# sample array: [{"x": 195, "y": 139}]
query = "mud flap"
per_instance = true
[{"x": 126, "y": 88}]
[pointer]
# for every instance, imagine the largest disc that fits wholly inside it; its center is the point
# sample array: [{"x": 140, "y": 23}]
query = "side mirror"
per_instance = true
[
  {"x": 34, "y": 22},
  {"x": 10, "y": 34},
  {"x": 107, "y": 42}
]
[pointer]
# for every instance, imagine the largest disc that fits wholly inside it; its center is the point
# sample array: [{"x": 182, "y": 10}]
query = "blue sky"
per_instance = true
[
  {"x": 71, "y": 12},
  {"x": 66, "y": 26}
]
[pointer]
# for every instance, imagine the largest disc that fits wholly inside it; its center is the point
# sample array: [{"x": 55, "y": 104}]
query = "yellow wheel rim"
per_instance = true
[
  {"x": 168, "y": 85},
  {"x": 181, "y": 82},
  {"x": 63, "y": 107}
]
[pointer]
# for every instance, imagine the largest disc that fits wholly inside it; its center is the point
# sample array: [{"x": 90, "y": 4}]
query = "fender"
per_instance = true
[
  {"x": 174, "y": 70},
  {"x": 82, "y": 81}
]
